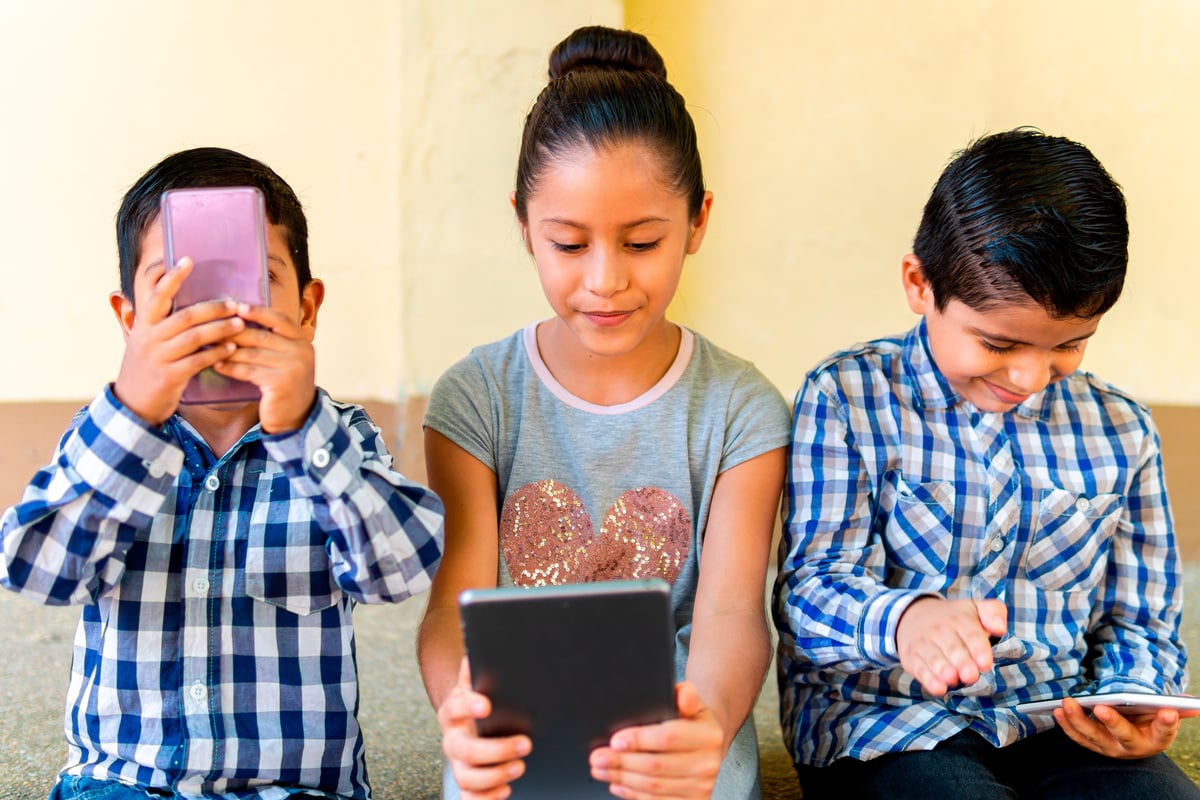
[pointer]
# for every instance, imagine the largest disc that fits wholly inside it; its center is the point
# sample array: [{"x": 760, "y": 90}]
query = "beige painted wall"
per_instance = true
[
  {"x": 469, "y": 80},
  {"x": 94, "y": 93},
  {"x": 396, "y": 121},
  {"x": 823, "y": 126}
]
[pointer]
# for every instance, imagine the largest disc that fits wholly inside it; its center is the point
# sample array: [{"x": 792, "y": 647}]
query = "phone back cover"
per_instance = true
[
  {"x": 223, "y": 231},
  {"x": 569, "y": 666}
]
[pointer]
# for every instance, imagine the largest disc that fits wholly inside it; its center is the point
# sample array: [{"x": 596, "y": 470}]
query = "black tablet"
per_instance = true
[{"x": 568, "y": 666}]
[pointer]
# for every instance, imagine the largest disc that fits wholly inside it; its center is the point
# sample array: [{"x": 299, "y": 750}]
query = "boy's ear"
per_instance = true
[
  {"x": 123, "y": 309},
  {"x": 916, "y": 288},
  {"x": 512, "y": 201},
  {"x": 700, "y": 224},
  {"x": 311, "y": 298}
]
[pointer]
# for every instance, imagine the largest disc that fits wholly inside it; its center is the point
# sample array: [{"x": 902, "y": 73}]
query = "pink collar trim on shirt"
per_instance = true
[{"x": 686, "y": 346}]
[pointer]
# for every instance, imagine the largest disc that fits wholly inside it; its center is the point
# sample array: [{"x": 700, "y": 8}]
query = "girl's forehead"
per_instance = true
[
  {"x": 589, "y": 156},
  {"x": 611, "y": 176}
]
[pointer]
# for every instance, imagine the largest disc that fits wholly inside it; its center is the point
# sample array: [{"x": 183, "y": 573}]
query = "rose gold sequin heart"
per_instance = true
[{"x": 548, "y": 537}]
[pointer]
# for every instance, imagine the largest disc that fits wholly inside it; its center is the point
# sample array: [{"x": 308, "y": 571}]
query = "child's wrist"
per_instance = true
[
  {"x": 145, "y": 412},
  {"x": 288, "y": 424}
]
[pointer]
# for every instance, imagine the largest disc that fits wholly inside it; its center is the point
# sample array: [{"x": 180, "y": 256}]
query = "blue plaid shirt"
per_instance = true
[
  {"x": 898, "y": 488},
  {"x": 215, "y": 655}
]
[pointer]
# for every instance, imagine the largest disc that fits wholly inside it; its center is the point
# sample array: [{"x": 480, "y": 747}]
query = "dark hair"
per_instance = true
[
  {"x": 1021, "y": 215},
  {"x": 207, "y": 166},
  {"x": 608, "y": 87}
]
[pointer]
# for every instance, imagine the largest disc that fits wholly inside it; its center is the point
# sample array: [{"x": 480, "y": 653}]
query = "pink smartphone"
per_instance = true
[{"x": 223, "y": 230}]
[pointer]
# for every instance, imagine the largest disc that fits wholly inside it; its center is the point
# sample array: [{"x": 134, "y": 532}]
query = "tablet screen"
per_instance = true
[{"x": 569, "y": 666}]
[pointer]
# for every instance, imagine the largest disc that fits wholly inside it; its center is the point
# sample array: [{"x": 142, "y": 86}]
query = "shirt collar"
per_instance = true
[
  {"x": 931, "y": 390},
  {"x": 197, "y": 453}
]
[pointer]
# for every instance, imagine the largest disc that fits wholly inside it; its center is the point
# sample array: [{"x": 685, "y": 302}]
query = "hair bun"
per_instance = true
[{"x": 598, "y": 47}]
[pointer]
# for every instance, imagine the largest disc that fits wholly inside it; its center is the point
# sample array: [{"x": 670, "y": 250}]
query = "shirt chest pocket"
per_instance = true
[
  {"x": 1072, "y": 533},
  {"x": 286, "y": 561},
  {"x": 918, "y": 522}
]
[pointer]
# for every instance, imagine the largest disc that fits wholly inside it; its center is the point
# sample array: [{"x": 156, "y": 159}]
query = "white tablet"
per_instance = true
[
  {"x": 569, "y": 666},
  {"x": 1130, "y": 703}
]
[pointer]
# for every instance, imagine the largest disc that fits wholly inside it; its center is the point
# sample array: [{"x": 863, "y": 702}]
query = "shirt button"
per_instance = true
[
  {"x": 199, "y": 691},
  {"x": 320, "y": 458},
  {"x": 154, "y": 469},
  {"x": 200, "y": 586},
  {"x": 997, "y": 545},
  {"x": 212, "y": 483},
  {"x": 1082, "y": 504}
]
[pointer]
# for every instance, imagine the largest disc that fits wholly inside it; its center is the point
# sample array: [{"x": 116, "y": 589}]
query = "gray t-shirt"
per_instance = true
[{"x": 612, "y": 492}]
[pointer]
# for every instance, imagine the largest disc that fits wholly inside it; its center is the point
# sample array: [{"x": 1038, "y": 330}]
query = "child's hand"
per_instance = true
[
  {"x": 1107, "y": 732},
  {"x": 483, "y": 767},
  {"x": 279, "y": 359},
  {"x": 677, "y": 758},
  {"x": 945, "y": 643},
  {"x": 164, "y": 350}
]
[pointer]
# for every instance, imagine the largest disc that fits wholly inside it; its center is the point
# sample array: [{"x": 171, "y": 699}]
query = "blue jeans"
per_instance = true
[
  {"x": 1045, "y": 766},
  {"x": 70, "y": 787}
]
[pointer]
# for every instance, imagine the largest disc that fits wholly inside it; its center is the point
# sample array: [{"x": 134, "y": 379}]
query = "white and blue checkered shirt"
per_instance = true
[
  {"x": 898, "y": 488},
  {"x": 215, "y": 655}
]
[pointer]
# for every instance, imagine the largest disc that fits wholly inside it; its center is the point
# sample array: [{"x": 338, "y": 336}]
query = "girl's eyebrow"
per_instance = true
[{"x": 573, "y": 224}]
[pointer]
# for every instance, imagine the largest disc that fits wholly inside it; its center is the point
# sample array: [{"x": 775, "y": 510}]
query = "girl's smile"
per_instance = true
[{"x": 607, "y": 319}]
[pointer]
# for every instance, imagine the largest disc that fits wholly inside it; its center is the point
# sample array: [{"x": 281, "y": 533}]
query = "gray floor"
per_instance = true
[{"x": 402, "y": 743}]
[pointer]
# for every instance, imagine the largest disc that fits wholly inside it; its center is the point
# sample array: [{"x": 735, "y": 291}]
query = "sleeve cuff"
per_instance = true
[
  {"x": 320, "y": 454},
  {"x": 877, "y": 625},
  {"x": 120, "y": 456}
]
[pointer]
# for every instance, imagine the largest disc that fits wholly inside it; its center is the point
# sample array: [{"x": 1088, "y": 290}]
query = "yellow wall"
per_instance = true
[
  {"x": 823, "y": 126},
  {"x": 97, "y": 92},
  {"x": 396, "y": 121},
  {"x": 471, "y": 73}
]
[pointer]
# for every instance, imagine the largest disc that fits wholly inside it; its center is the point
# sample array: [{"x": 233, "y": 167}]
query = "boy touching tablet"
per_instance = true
[{"x": 972, "y": 522}]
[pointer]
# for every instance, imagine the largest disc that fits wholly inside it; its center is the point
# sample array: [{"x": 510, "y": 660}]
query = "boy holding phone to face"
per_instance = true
[{"x": 217, "y": 550}]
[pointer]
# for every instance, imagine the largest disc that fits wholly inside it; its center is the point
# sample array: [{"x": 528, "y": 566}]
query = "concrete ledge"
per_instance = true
[{"x": 403, "y": 749}]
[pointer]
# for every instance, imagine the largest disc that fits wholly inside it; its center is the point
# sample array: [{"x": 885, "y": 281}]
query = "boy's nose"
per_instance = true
[{"x": 1031, "y": 372}]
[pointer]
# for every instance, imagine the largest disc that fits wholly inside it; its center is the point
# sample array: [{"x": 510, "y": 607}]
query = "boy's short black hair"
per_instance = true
[
  {"x": 1020, "y": 216},
  {"x": 207, "y": 166}
]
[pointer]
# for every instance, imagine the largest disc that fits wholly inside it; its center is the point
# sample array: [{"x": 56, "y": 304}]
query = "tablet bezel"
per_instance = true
[
  {"x": 569, "y": 666},
  {"x": 1123, "y": 702}
]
